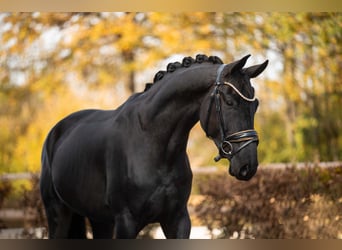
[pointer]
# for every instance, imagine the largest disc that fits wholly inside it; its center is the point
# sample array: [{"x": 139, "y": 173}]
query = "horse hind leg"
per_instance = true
[
  {"x": 62, "y": 222},
  {"x": 77, "y": 229},
  {"x": 70, "y": 225}
]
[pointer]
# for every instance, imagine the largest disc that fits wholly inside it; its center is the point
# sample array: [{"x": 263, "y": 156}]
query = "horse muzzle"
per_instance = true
[
  {"x": 244, "y": 173},
  {"x": 244, "y": 165}
]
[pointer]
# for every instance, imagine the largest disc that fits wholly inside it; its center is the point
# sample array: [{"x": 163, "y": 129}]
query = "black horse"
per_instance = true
[{"x": 125, "y": 168}]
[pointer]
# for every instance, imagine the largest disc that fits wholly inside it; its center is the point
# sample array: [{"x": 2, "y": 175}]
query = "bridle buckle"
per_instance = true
[{"x": 227, "y": 148}]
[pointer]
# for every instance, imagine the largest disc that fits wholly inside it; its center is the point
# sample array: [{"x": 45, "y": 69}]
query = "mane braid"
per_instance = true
[{"x": 186, "y": 63}]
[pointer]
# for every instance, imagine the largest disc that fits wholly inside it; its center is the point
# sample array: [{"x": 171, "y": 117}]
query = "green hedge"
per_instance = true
[{"x": 275, "y": 203}]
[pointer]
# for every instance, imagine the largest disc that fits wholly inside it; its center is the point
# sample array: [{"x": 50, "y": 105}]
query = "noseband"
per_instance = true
[{"x": 227, "y": 149}]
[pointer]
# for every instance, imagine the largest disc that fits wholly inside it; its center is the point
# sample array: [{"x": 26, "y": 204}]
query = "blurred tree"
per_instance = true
[
  {"x": 46, "y": 55},
  {"x": 307, "y": 89},
  {"x": 310, "y": 47},
  {"x": 55, "y": 63}
]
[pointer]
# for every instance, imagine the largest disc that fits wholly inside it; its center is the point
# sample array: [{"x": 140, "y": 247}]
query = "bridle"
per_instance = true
[{"x": 226, "y": 149}]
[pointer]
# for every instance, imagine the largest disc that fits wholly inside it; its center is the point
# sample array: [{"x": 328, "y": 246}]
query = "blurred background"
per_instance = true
[{"x": 53, "y": 64}]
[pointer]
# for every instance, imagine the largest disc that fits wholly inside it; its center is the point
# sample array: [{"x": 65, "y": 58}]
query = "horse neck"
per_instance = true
[{"x": 171, "y": 108}]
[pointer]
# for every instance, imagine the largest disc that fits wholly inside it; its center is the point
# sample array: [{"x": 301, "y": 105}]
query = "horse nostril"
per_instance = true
[{"x": 244, "y": 170}]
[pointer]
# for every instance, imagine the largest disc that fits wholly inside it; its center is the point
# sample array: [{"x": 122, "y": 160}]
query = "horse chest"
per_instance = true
[
  {"x": 161, "y": 200},
  {"x": 159, "y": 196}
]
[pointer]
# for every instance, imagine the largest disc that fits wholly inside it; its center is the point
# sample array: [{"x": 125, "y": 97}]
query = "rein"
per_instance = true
[{"x": 248, "y": 136}]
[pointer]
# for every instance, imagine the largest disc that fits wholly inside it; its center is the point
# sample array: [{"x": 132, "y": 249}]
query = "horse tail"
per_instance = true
[
  {"x": 56, "y": 212},
  {"x": 44, "y": 157},
  {"x": 46, "y": 162},
  {"x": 48, "y": 149}
]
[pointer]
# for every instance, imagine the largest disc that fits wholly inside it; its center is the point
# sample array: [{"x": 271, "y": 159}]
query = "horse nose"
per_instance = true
[{"x": 244, "y": 170}]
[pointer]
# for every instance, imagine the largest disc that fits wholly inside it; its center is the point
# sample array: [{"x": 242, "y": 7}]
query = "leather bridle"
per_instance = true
[{"x": 226, "y": 148}]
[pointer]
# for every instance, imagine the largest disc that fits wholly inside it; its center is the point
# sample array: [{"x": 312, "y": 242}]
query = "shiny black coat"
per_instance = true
[{"x": 125, "y": 168}]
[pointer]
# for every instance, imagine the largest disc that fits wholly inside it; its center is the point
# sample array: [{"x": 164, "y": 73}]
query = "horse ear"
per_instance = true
[
  {"x": 235, "y": 66},
  {"x": 238, "y": 65},
  {"x": 255, "y": 70}
]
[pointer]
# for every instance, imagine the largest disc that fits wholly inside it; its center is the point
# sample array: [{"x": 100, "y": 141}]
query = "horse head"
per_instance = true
[{"x": 227, "y": 116}]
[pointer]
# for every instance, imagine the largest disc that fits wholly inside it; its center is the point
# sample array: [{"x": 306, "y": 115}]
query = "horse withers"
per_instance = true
[{"x": 125, "y": 168}]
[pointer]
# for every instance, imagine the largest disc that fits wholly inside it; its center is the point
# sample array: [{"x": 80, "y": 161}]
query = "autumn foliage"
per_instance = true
[{"x": 55, "y": 63}]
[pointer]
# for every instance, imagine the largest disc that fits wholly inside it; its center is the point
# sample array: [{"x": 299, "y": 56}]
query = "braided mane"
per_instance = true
[{"x": 186, "y": 62}]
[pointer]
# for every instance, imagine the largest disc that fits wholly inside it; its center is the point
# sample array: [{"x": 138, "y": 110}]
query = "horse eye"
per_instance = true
[{"x": 230, "y": 102}]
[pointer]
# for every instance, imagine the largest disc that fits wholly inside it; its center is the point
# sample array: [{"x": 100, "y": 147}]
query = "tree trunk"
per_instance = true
[{"x": 129, "y": 57}]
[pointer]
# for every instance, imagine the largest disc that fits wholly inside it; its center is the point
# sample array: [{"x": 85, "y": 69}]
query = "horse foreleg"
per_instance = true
[
  {"x": 126, "y": 226},
  {"x": 178, "y": 227},
  {"x": 102, "y": 230}
]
